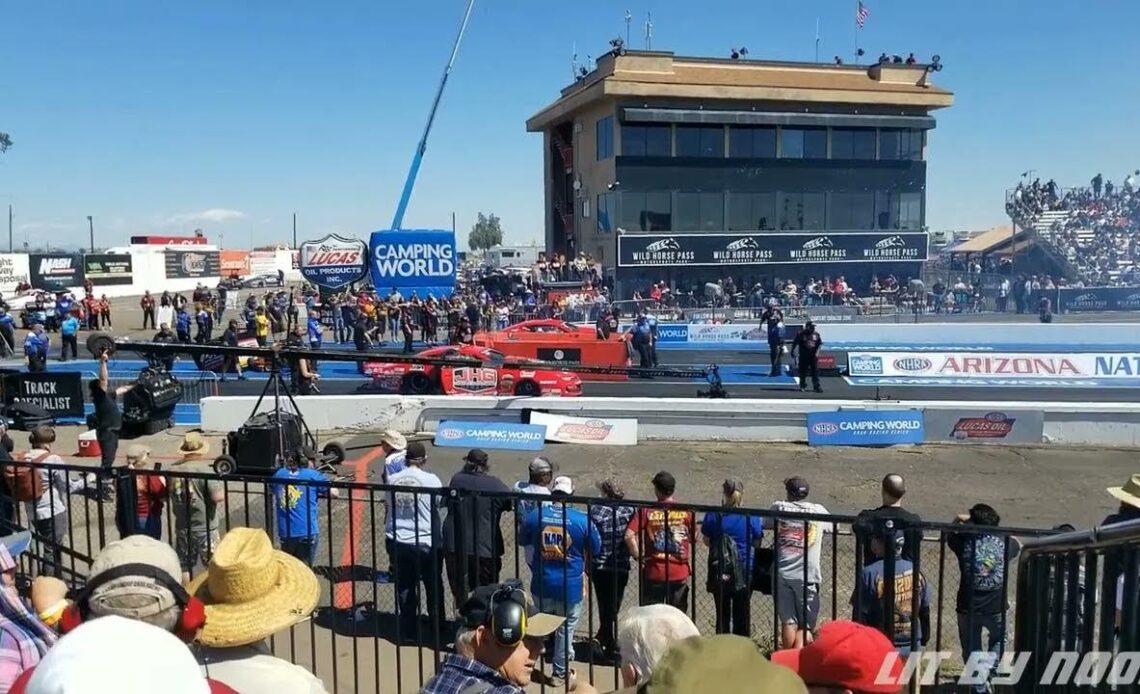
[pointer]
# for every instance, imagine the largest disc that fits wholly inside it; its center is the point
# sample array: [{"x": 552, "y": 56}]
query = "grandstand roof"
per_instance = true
[
  {"x": 661, "y": 75},
  {"x": 987, "y": 240}
]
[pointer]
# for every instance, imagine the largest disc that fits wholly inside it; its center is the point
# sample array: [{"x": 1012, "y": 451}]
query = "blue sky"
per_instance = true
[{"x": 231, "y": 115}]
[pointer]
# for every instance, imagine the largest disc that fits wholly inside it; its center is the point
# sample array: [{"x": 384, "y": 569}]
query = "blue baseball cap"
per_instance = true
[{"x": 13, "y": 545}]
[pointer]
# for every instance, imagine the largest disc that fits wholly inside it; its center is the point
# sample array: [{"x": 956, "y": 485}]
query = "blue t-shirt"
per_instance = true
[
  {"x": 182, "y": 322},
  {"x": 7, "y": 320},
  {"x": 873, "y": 597},
  {"x": 314, "y": 331},
  {"x": 297, "y": 508},
  {"x": 69, "y": 326},
  {"x": 744, "y": 530},
  {"x": 62, "y": 306},
  {"x": 36, "y": 344},
  {"x": 561, "y": 541}
]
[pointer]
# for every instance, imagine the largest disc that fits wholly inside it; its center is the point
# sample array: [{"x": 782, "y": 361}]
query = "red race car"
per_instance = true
[{"x": 490, "y": 377}]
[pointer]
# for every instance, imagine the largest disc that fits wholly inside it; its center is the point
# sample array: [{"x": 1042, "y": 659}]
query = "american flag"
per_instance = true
[{"x": 861, "y": 15}]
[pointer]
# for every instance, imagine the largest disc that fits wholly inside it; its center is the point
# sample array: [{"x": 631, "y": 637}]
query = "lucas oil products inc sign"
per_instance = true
[
  {"x": 675, "y": 250},
  {"x": 50, "y": 270},
  {"x": 333, "y": 262},
  {"x": 192, "y": 264},
  {"x": 420, "y": 261}
]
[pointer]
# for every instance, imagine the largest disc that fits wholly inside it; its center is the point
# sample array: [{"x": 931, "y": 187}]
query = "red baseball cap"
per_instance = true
[{"x": 846, "y": 655}]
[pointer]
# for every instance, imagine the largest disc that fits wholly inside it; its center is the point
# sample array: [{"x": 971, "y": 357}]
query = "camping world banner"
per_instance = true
[{"x": 421, "y": 261}]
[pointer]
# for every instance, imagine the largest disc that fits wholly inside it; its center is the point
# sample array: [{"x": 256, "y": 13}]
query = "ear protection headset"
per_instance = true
[
  {"x": 191, "y": 618},
  {"x": 508, "y": 616}
]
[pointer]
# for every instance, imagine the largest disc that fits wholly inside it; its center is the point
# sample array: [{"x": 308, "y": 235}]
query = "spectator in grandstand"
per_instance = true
[
  {"x": 296, "y": 490},
  {"x": 870, "y": 522},
  {"x": 796, "y": 545},
  {"x": 724, "y": 663},
  {"x": 24, "y": 638},
  {"x": 644, "y": 635},
  {"x": 888, "y": 605},
  {"x": 982, "y": 598},
  {"x": 564, "y": 540},
  {"x": 609, "y": 567},
  {"x": 140, "y": 497},
  {"x": 194, "y": 505},
  {"x": 472, "y": 533},
  {"x": 500, "y": 639},
  {"x": 412, "y": 529},
  {"x": 847, "y": 657},
  {"x": 731, "y": 538},
  {"x": 661, "y": 539}
]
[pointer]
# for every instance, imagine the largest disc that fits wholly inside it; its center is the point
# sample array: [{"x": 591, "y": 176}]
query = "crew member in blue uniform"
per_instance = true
[
  {"x": 773, "y": 321},
  {"x": 641, "y": 337},
  {"x": 7, "y": 332},
  {"x": 652, "y": 320},
  {"x": 182, "y": 325},
  {"x": 807, "y": 343},
  {"x": 316, "y": 331},
  {"x": 68, "y": 336},
  {"x": 36, "y": 345},
  {"x": 63, "y": 304},
  {"x": 38, "y": 312}
]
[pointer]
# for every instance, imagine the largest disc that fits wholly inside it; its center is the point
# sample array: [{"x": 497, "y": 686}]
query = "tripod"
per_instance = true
[{"x": 276, "y": 383}]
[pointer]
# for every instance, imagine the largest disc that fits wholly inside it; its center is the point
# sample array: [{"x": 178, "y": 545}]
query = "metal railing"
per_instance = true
[
  {"x": 1077, "y": 594},
  {"x": 376, "y": 592}
]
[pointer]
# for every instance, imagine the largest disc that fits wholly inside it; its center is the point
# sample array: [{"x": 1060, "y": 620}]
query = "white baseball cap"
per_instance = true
[{"x": 562, "y": 484}]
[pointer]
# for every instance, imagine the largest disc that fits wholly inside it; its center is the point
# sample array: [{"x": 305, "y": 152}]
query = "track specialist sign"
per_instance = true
[
  {"x": 105, "y": 268},
  {"x": 422, "y": 261},
  {"x": 588, "y": 430},
  {"x": 334, "y": 262},
  {"x": 193, "y": 264},
  {"x": 865, "y": 428},
  {"x": 984, "y": 426},
  {"x": 501, "y": 435},
  {"x": 58, "y": 392},
  {"x": 51, "y": 269},
  {"x": 676, "y": 250},
  {"x": 994, "y": 365}
]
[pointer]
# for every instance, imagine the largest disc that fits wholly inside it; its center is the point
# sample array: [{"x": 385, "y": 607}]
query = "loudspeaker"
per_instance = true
[
  {"x": 154, "y": 396},
  {"x": 255, "y": 446}
]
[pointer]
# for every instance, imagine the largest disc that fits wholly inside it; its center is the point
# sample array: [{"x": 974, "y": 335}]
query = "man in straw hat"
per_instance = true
[
  {"x": 493, "y": 656},
  {"x": 194, "y": 503},
  {"x": 394, "y": 446},
  {"x": 1129, "y": 497},
  {"x": 251, "y": 592}
]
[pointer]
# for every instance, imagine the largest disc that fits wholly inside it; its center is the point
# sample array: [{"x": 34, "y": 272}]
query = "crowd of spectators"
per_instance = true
[{"x": 1100, "y": 234}]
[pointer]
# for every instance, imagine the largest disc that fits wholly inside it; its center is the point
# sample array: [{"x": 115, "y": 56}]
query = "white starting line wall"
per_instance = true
[{"x": 683, "y": 419}]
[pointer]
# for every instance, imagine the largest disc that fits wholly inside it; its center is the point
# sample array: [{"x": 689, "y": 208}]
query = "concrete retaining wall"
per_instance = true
[{"x": 687, "y": 419}]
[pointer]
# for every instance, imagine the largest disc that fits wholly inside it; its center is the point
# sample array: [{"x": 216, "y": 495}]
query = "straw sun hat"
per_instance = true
[
  {"x": 1129, "y": 492},
  {"x": 252, "y": 591}
]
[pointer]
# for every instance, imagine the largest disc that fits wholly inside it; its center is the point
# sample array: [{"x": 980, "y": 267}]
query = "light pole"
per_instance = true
[{"x": 91, "y": 231}]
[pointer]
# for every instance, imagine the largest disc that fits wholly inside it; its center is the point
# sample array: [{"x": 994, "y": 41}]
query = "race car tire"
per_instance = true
[
  {"x": 333, "y": 453},
  {"x": 527, "y": 389},
  {"x": 416, "y": 384},
  {"x": 99, "y": 342},
  {"x": 224, "y": 465}
]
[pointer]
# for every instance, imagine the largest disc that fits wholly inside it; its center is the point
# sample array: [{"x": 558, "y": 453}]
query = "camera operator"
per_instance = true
[
  {"x": 807, "y": 343},
  {"x": 302, "y": 373}
]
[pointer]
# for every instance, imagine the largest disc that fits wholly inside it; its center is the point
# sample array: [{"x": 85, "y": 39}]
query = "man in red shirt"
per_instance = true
[{"x": 661, "y": 539}]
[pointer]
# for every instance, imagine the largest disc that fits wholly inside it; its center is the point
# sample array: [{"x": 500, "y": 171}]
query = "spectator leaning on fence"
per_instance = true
[
  {"x": 609, "y": 567},
  {"x": 472, "y": 533},
  {"x": 563, "y": 540},
  {"x": 889, "y": 605},
  {"x": 731, "y": 539},
  {"x": 44, "y": 490},
  {"x": 412, "y": 532},
  {"x": 296, "y": 490},
  {"x": 500, "y": 639},
  {"x": 540, "y": 475},
  {"x": 981, "y": 601},
  {"x": 661, "y": 538},
  {"x": 140, "y": 496},
  {"x": 796, "y": 546},
  {"x": 871, "y": 521},
  {"x": 194, "y": 505}
]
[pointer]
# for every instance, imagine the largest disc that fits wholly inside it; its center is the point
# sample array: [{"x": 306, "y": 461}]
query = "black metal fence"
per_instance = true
[
  {"x": 1079, "y": 625},
  {"x": 388, "y": 603}
]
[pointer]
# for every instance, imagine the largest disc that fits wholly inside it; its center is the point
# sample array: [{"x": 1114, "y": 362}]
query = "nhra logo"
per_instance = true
[
  {"x": 52, "y": 266},
  {"x": 669, "y": 244},
  {"x": 913, "y": 364},
  {"x": 818, "y": 242},
  {"x": 995, "y": 425},
  {"x": 450, "y": 434},
  {"x": 825, "y": 428},
  {"x": 891, "y": 242},
  {"x": 742, "y": 243}
]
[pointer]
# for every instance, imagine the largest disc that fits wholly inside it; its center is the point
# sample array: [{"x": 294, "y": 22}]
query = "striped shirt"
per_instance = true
[
  {"x": 459, "y": 675},
  {"x": 18, "y": 652},
  {"x": 611, "y": 522}
]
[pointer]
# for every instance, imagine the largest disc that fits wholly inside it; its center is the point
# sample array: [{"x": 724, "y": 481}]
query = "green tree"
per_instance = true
[
  {"x": 486, "y": 233},
  {"x": 5, "y": 142}
]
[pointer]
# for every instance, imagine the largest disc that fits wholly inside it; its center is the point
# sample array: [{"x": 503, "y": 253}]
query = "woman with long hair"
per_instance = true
[{"x": 731, "y": 537}]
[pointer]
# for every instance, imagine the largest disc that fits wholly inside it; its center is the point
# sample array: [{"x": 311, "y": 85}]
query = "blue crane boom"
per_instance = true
[{"x": 418, "y": 158}]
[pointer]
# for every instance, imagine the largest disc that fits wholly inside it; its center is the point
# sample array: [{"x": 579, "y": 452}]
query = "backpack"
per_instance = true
[
  {"x": 726, "y": 569},
  {"x": 985, "y": 560},
  {"x": 25, "y": 481}
]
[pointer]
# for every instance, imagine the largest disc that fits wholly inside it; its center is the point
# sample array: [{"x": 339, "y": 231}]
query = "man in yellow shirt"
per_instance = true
[{"x": 261, "y": 327}]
